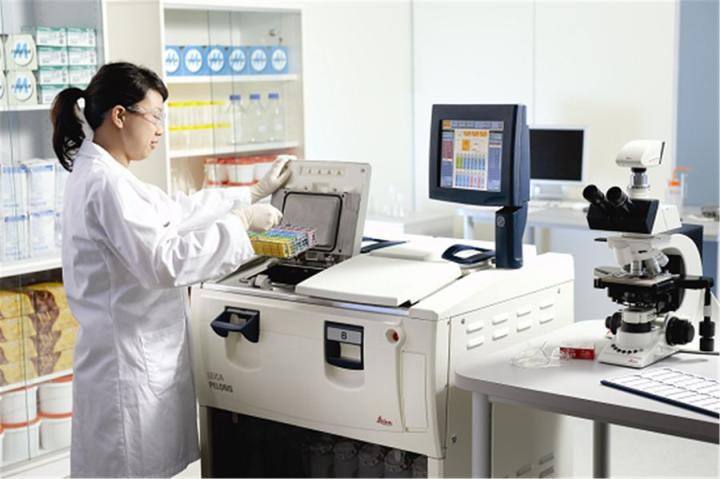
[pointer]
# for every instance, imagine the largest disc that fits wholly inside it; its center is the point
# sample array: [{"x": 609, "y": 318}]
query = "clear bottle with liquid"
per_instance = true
[
  {"x": 276, "y": 118},
  {"x": 257, "y": 120},
  {"x": 237, "y": 114}
]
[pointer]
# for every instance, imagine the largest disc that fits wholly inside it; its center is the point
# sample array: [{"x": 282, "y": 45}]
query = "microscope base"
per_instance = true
[{"x": 637, "y": 359}]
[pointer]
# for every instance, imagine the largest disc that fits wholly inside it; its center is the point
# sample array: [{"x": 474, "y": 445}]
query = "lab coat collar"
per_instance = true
[{"x": 93, "y": 150}]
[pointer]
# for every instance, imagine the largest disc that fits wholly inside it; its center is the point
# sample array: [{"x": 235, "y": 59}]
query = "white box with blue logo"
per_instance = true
[
  {"x": 258, "y": 60},
  {"x": 237, "y": 61},
  {"x": 20, "y": 52},
  {"x": 193, "y": 58},
  {"x": 217, "y": 60},
  {"x": 173, "y": 61},
  {"x": 278, "y": 60},
  {"x": 22, "y": 88}
]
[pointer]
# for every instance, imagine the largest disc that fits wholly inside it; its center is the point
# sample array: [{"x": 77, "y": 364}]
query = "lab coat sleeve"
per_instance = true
[
  {"x": 171, "y": 244},
  {"x": 190, "y": 205}
]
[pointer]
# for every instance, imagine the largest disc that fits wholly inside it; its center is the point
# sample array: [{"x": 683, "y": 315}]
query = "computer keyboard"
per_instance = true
[{"x": 672, "y": 386}]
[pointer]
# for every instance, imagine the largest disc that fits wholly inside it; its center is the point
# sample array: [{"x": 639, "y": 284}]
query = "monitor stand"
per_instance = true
[{"x": 548, "y": 192}]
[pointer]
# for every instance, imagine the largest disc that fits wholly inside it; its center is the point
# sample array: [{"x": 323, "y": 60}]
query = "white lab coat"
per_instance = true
[{"x": 128, "y": 251}]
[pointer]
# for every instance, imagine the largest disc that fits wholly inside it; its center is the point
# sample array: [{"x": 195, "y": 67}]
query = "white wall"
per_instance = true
[
  {"x": 466, "y": 52},
  {"x": 607, "y": 65},
  {"x": 356, "y": 75},
  {"x": 611, "y": 66}
]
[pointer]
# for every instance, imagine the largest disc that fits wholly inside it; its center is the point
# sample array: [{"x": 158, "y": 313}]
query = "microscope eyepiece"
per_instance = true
[
  {"x": 618, "y": 199},
  {"x": 596, "y": 197}
]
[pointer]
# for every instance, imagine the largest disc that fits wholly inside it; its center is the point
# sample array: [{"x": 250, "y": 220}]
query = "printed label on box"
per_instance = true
[
  {"x": 172, "y": 60},
  {"x": 258, "y": 60},
  {"x": 215, "y": 60},
  {"x": 80, "y": 75},
  {"x": 53, "y": 76},
  {"x": 193, "y": 60},
  {"x": 237, "y": 60},
  {"x": 48, "y": 93},
  {"x": 50, "y": 36},
  {"x": 279, "y": 60},
  {"x": 21, "y": 52},
  {"x": 22, "y": 86},
  {"x": 81, "y": 37},
  {"x": 52, "y": 56},
  {"x": 78, "y": 56}
]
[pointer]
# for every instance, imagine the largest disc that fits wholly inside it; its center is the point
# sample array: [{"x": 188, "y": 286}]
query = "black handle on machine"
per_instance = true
[
  {"x": 450, "y": 254},
  {"x": 249, "y": 326}
]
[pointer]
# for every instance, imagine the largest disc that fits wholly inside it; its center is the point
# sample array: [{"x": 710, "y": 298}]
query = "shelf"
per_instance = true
[
  {"x": 13, "y": 109},
  {"x": 39, "y": 465},
  {"x": 27, "y": 266},
  {"x": 228, "y": 150},
  {"x": 33, "y": 381},
  {"x": 180, "y": 80}
]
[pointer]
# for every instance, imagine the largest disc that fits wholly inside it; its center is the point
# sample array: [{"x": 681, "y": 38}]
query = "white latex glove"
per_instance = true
[
  {"x": 273, "y": 179},
  {"x": 258, "y": 218}
]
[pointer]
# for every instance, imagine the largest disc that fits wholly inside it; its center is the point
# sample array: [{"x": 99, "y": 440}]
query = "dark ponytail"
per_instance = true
[{"x": 114, "y": 84}]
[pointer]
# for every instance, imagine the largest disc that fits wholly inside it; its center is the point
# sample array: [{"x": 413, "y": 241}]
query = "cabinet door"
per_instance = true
[
  {"x": 49, "y": 45},
  {"x": 235, "y": 94}
]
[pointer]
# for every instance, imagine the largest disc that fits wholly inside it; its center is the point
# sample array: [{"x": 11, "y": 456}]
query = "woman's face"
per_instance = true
[{"x": 143, "y": 126}]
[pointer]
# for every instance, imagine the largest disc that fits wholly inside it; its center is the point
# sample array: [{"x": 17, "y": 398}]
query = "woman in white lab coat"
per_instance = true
[{"x": 128, "y": 253}]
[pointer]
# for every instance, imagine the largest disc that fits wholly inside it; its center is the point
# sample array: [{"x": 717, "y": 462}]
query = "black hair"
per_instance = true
[{"x": 114, "y": 84}]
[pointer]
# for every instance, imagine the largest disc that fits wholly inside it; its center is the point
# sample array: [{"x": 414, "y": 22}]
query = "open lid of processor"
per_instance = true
[{"x": 331, "y": 197}]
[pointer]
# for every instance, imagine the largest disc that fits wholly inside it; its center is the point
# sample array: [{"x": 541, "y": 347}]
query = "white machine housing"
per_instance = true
[{"x": 402, "y": 320}]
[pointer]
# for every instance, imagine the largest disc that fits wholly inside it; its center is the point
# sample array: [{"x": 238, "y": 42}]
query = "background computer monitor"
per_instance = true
[
  {"x": 557, "y": 159},
  {"x": 479, "y": 154}
]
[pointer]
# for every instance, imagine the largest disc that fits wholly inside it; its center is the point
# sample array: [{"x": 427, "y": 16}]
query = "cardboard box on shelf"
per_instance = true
[
  {"x": 20, "y": 52},
  {"x": 48, "y": 36},
  {"x": 14, "y": 304}
]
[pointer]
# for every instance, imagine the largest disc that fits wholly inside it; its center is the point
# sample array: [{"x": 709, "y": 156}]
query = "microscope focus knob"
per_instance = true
[
  {"x": 613, "y": 322},
  {"x": 679, "y": 331}
]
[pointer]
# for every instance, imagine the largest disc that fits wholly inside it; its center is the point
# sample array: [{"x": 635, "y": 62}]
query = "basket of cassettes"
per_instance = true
[{"x": 285, "y": 241}]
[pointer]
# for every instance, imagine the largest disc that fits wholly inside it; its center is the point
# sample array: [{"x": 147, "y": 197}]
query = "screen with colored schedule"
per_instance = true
[{"x": 471, "y": 155}]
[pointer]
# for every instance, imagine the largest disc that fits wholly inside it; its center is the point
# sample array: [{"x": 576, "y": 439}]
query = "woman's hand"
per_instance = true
[
  {"x": 258, "y": 218},
  {"x": 274, "y": 179}
]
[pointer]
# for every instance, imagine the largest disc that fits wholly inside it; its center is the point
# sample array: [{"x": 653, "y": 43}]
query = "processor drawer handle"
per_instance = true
[{"x": 248, "y": 324}]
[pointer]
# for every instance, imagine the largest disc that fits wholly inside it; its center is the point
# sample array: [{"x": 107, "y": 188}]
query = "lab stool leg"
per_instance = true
[{"x": 601, "y": 449}]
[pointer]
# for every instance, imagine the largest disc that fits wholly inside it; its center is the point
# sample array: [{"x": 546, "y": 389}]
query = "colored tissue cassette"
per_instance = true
[{"x": 283, "y": 241}]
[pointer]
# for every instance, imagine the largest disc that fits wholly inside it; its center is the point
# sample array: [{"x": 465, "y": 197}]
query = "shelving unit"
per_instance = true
[
  {"x": 38, "y": 380},
  {"x": 26, "y": 133},
  {"x": 239, "y": 149},
  {"x": 25, "y": 108},
  {"x": 28, "y": 266},
  {"x": 203, "y": 80}
]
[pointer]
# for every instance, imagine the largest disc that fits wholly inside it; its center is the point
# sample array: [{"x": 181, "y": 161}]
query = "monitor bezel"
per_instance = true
[
  {"x": 583, "y": 163},
  {"x": 511, "y": 192}
]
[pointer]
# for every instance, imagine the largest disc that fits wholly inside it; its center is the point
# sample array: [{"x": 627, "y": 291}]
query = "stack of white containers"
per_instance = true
[
  {"x": 55, "y": 399},
  {"x": 25, "y": 427},
  {"x": 21, "y": 424},
  {"x": 31, "y": 196}
]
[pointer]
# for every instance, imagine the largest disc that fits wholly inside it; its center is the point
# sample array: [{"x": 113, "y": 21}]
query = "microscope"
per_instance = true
[{"x": 659, "y": 280}]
